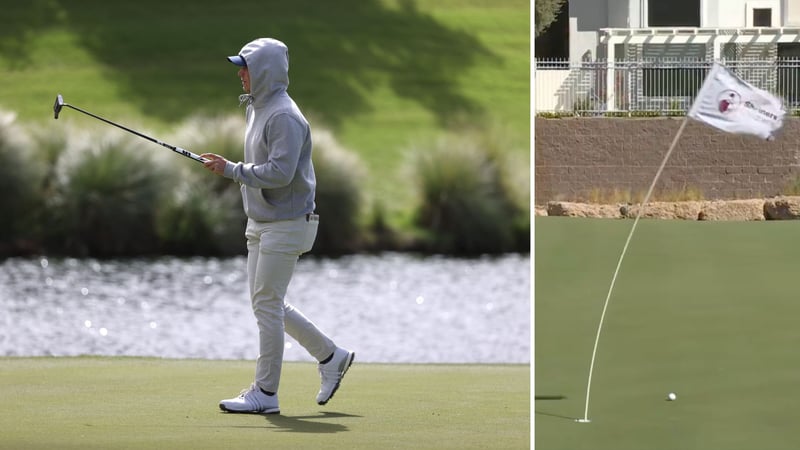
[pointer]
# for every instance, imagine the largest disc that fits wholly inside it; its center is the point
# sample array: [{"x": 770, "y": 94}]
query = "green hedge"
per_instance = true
[{"x": 101, "y": 192}]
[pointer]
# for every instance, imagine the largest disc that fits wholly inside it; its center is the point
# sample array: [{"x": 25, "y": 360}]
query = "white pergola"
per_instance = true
[{"x": 714, "y": 37}]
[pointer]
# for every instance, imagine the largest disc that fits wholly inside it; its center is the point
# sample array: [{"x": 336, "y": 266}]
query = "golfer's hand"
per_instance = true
[{"x": 214, "y": 163}]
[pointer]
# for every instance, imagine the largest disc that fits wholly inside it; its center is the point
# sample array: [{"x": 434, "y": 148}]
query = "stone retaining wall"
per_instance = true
[
  {"x": 779, "y": 208},
  {"x": 577, "y": 158}
]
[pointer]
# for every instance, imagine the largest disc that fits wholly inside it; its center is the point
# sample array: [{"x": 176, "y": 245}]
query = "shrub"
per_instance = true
[
  {"x": 48, "y": 143},
  {"x": 339, "y": 175},
  {"x": 20, "y": 184},
  {"x": 586, "y": 105},
  {"x": 463, "y": 205},
  {"x": 104, "y": 199},
  {"x": 221, "y": 135},
  {"x": 382, "y": 236},
  {"x": 613, "y": 196},
  {"x": 194, "y": 220},
  {"x": 512, "y": 173},
  {"x": 792, "y": 187},
  {"x": 182, "y": 224},
  {"x": 202, "y": 213}
]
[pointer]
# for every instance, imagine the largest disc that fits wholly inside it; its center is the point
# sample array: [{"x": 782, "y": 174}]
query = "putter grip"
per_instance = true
[{"x": 189, "y": 154}]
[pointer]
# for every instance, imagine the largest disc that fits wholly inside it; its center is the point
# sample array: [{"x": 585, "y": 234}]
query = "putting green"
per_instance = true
[
  {"x": 704, "y": 309},
  {"x": 91, "y": 402}
]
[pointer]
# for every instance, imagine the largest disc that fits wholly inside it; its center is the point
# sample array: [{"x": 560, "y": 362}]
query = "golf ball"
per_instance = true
[{"x": 671, "y": 396}]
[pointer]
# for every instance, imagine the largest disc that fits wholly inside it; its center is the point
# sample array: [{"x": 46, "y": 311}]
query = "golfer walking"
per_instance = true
[{"x": 278, "y": 184}]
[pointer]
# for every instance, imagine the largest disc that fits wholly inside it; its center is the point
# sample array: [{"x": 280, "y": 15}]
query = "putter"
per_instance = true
[{"x": 60, "y": 104}]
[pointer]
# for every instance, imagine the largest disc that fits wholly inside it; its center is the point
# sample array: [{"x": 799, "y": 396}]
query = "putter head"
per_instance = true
[{"x": 58, "y": 105}]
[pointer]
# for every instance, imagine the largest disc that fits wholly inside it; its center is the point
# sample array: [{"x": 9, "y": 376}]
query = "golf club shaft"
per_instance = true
[{"x": 175, "y": 149}]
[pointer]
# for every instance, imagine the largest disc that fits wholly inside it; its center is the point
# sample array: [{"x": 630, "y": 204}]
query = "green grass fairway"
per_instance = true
[
  {"x": 152, "y": 403},
  {"x": 708, "y": 310}
]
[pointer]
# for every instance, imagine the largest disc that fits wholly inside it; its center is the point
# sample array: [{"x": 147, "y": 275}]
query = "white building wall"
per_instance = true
[
  {"x": 619, "y": 14},
  {"x": 586, "y": 17},
  {"x": 553, "y": 91},
  {"x": 713, "y": 13},
  {"x": 709, "y": 13},
  {"x": 582, "y": 44},
  {"x": 729, "y": 15},
  {"x": 791, "y": 13},
  {"x": 739, "y": 13},
  {"x": 592, "y": 14},
  {"x": 636, "y": 9}
]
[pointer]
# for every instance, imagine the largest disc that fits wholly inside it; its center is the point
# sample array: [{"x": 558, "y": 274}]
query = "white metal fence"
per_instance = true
[{"x": 657, "y": 87}]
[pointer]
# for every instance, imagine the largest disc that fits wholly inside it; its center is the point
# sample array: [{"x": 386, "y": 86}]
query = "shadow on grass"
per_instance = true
[
  {"x": 168, "y": 58},
  {"x": 559, "y": 416},
  {"x": 308, "y": 424},
  {"x": 549, "y": 398}
]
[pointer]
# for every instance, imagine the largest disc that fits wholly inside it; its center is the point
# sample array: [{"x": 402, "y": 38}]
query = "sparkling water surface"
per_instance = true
[{"x": 388, "y": 308}]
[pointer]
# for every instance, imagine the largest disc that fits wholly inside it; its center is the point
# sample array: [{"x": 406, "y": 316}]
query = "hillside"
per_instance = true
[{"x": 382, "y": 75}]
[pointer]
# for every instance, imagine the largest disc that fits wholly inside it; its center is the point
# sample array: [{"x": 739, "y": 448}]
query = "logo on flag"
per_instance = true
[{"x": 729, "y": 100}]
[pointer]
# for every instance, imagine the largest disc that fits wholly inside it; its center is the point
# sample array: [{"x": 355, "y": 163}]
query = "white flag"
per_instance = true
[{"x": 731, "y": 104}]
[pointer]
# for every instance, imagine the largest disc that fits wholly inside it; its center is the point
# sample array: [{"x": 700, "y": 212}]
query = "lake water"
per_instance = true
[{"x": 387, "y": 308}]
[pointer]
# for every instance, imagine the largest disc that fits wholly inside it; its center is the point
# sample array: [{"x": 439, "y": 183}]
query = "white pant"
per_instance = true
[{"x": 272, "y": 252}]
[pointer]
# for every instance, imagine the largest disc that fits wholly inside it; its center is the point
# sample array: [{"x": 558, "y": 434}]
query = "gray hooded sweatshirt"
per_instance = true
[{"x": 277, "y": 177}]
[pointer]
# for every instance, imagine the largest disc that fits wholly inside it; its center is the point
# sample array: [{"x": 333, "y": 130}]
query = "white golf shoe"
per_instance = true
[
  {"x": 252, "y": 401},
  {"x": 332, "y": 373}
]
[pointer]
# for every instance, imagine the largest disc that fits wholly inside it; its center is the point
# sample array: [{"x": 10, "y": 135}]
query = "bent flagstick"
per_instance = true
[
  {"x": 585, "y": 418},
  {"x": 729, "y": 104}
]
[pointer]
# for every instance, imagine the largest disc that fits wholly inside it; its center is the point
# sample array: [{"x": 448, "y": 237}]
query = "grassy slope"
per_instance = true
[
  {"x": 150, "y": 403},
  {"x": 381, "y": 75},
  {"x": 705, "y": 309}
]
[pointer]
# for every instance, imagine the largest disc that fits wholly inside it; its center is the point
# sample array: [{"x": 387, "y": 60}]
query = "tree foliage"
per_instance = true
[{"x": 546, "y": 13}]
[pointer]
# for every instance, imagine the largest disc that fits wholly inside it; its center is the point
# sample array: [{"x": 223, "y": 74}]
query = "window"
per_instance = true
[
  {"x": 675, "y": 70},
  {"x": 762, "y": 17},
  {"x": 673, "y": 13},
  {"x": 788, "y": 50},
  {"x": 789, "y": 72}
]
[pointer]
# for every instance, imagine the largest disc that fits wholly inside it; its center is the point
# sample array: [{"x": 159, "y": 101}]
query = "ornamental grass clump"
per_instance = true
[
  {"x": 104, "y": 197},
  {"x": 201, "y": 213},
  {"x": 340, "y": 174},
  {"x": 192, "y": 219},
  {"x": 21, "y": 177},
  {"x": 462, "y": 205}
]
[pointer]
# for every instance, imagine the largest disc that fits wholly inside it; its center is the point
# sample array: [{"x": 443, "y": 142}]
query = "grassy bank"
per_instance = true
[
  {"x": 705, "y": 309},
  {"x": 381, "y": 74},
  {"x": 151, "y": 403}
]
